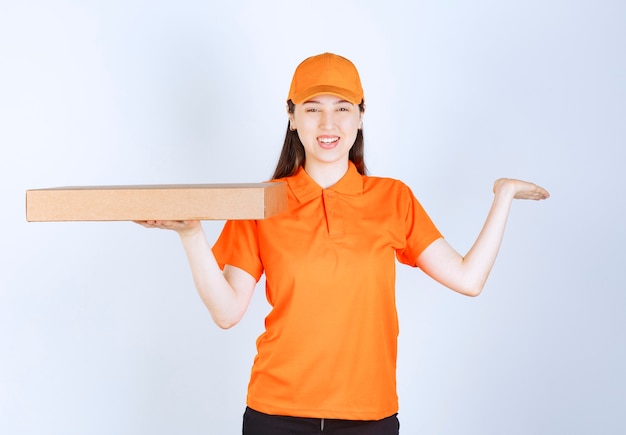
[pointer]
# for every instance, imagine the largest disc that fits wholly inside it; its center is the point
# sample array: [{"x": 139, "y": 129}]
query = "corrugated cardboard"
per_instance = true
[{"x": 156, "y": 202}]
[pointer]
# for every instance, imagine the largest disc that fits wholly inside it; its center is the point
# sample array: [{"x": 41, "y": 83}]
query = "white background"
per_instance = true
[{"x": 101, "y": 330}]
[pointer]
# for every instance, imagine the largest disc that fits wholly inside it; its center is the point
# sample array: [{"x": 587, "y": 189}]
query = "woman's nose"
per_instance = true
[{"x": 327, "y": 119}]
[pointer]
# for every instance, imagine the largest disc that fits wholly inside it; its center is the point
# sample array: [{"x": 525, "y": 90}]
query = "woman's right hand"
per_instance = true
[{"x": 183, "y": 228}]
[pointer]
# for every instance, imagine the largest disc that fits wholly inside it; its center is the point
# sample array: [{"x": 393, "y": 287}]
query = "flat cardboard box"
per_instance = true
[{"x": 156, "y": 202}]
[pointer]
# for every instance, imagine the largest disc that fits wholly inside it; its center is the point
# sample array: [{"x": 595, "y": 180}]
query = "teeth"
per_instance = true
[{"x": 328, "y": 140}]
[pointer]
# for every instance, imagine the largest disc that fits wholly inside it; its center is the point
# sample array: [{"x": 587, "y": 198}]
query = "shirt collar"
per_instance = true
[{"x": 305, "y": 188}]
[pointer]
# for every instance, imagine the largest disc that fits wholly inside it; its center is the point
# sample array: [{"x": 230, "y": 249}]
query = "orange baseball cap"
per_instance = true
[{"x": 326, "y": 73}]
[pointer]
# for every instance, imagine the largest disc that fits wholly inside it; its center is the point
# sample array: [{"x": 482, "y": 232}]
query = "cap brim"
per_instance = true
[{"x": 314, "y": 91}]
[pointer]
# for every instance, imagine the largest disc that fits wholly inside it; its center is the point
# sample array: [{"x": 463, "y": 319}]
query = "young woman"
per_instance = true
[{"x": 327, "y": 359}]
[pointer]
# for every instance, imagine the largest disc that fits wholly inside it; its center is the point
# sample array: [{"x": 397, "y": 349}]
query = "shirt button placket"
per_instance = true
[{"x": 333, "y": 215}]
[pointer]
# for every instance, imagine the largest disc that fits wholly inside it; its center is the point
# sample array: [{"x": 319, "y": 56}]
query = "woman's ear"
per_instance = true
[{"x": 292, "y": 121}]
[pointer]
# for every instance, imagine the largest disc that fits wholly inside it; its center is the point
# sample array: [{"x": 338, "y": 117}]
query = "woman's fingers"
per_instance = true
[
  {"x": 521, "y": 189},
  {"x": 169, "y": 224}
]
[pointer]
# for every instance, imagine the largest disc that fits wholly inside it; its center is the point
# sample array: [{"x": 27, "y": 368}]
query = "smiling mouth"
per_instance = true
[{"x": 328, "y": 141}]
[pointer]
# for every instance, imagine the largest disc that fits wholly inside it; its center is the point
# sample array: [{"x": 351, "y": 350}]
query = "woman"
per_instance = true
[{"x": 327, "y": 359}]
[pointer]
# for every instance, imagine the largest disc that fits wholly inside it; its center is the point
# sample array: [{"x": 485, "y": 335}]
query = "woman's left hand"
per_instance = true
[
  {"x": 468, "y": 274},
  {"x": 520, "y": 189}
]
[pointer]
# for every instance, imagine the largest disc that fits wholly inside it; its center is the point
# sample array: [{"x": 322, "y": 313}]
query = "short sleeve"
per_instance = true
[
  {"x": 238, "y": 245},
  {"x": 419, "y": 229}
]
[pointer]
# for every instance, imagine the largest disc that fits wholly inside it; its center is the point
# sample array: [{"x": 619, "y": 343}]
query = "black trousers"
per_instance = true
[{"x": 257, "y": 423}]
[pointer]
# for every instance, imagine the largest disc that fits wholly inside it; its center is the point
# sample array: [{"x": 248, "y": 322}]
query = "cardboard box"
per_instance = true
[{"x": 156, "y": 202}]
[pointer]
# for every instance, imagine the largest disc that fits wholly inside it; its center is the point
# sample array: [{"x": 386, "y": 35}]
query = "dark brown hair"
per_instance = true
[{"x": 292, "y": 155}]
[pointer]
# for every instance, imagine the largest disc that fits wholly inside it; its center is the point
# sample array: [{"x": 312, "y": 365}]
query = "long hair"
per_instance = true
[{"x": 292, "y": 155}]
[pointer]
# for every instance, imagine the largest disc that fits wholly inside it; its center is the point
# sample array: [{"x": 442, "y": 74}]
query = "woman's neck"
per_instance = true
[{"x": 326, "y": 175}]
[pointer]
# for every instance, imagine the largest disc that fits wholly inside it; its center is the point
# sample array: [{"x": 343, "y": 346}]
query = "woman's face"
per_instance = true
[{"x": 327, "y": 127}]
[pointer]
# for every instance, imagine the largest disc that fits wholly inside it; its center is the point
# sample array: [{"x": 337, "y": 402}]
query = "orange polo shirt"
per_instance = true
[{"x": 330, "y": 342}]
